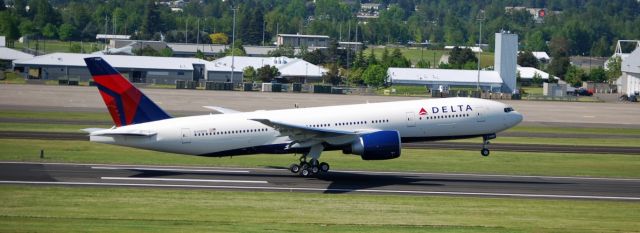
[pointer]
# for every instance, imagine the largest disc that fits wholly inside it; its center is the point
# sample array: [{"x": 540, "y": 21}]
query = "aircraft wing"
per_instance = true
[
  {"x": 221, "y": 109},
  {"x": 304, "y": 136}
]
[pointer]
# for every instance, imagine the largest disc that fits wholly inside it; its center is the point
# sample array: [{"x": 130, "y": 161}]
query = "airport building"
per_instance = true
[
  {"x": 292, "y": 69},
  {"x": 297, "y": 41},
  {"x": 502, "y": 79},
  {"x": 629, "y": 82},
  {"x": 138, "y": 69}
]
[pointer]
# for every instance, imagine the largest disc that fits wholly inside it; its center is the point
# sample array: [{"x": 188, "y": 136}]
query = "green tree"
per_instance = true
[
  {"x": 354, "y": 77},
  {"x": 527, "y": 59},
  {"x": 398, "y": 60},
  {"x": 461, "y": 58},
  {"x": 551, "y": 79},
  {"x": 315, "y": 57},
  {"x": 146, "y": 51},
  {"x": 614, "y": 69},
  {"x": 65, "y": 32},
  {"x": 374, "y": 75},
  {"x": 537, "y": 79},
  {"x": 535, "y": 41},
  {"x": 282, "y": 51},
  {"x": 9, "y": 26},
  {"x": 249, "y": 74},
  {"x": 27, "y": 28},
  {"x": 423, "y": 64},
  {"x": 574, "y": 76},
  {"x": 598, "y": 75},
  {"x": 267, "y": 73},
  {"x": 371, "y": 58},
  {"x": 150, "y": 20},
  {"x": 168, "y": 52},
  {"x": 199, "y": 54},
  {"x": 43, "y": 13},
  {"x": 49, "y": 31},
  {"x": 332, "y": 75}
]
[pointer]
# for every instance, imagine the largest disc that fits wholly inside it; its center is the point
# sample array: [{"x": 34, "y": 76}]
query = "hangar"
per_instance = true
[
  {"x": 293, "y": 69},
  {"x": 502, "y": 79},
  {"x": 139, "y": 69},
  {"x": 629, "y": 82}
]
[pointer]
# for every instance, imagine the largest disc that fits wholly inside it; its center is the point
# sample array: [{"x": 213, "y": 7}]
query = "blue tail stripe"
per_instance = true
[
  {"x": 148, "y": 111},
  {"x": 98, "y": 66}
]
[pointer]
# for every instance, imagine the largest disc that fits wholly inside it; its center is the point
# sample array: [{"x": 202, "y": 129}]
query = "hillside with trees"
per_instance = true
[{"x": 570, "y": 27}]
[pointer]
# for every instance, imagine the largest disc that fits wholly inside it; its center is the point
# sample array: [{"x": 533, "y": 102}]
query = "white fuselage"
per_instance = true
[{"x": 237, "y": 133}]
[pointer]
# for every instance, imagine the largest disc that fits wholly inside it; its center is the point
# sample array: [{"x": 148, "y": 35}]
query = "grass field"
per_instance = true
[
  {"x": 520, "y": 163},
  {"x": 432, "y": 56},
  {"x": 52, "y": 46},
  {"x": 75, "y": 209}
]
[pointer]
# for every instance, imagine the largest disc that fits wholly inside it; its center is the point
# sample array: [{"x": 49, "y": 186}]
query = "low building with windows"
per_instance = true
[
  {"x": 297, "y": 41},
  {"x": 138, "y": 69}
]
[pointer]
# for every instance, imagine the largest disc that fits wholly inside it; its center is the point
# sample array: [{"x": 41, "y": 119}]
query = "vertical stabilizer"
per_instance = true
[{"x": 127, "y": 105}]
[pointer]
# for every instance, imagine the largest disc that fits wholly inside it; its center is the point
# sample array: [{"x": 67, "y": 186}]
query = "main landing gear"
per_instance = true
[
  {"x": 312, "y": 167},
  {"x": 485, "y": 142}
]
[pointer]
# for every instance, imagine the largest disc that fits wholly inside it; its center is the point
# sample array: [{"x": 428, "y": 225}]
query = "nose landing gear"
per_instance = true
[{"x": 485, "y": 142}]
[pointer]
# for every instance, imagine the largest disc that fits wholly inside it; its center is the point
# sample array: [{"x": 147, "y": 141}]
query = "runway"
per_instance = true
[{"x": 335, "y": 182}]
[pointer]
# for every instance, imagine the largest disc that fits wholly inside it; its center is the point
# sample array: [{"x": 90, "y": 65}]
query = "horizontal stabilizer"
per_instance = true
[
  {"x": 221, "y": 109},
  {"x": 116, "y": 132}
]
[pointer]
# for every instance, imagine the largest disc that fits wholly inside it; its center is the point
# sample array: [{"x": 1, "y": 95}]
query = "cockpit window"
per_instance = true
[{"x": 508, "y": 109}]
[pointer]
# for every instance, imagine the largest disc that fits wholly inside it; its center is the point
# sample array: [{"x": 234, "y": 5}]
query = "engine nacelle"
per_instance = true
[{"x": 379, "y": 145}]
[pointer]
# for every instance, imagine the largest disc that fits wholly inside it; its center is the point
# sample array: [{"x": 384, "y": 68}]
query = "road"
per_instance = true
[{"x": 274, "y": 179}]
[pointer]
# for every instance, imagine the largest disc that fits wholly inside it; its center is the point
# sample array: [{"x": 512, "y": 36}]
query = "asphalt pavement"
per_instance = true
[{"x": 335, "y": 182}]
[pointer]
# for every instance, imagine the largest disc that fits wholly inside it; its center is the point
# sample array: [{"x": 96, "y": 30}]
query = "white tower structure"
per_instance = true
[{"x": 506, "y": 55}]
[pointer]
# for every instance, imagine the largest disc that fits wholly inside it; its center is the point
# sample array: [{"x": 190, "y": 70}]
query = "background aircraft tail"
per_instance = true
[{"x": 127, "y": 105}]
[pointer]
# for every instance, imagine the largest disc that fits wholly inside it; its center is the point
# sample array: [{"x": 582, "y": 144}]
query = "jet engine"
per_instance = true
[{"x": 379, "y": 145}]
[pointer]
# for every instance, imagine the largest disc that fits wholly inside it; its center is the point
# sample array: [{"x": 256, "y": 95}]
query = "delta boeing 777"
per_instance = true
[{"x": 374, "y": 131}]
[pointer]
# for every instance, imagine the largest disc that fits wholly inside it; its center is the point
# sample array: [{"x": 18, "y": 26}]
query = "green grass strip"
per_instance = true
[{"x": 97, "y": 209}]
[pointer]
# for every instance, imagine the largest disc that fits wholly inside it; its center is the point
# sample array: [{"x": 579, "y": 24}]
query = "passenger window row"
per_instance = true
[
  {"x": 348, "y": 123},
  {"x": 446, "y": 116},
  {"x": 230, "y": 132}
]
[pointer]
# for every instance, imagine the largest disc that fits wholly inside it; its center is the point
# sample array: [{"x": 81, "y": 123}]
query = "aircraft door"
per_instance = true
[
  {"x": 186, "y": 133},
  {"x": 411, "y": 119},
  {"x": 480, "y": 114}
]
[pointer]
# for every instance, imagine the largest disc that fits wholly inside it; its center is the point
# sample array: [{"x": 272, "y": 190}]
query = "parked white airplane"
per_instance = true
[{"x": 374, "y": 131}]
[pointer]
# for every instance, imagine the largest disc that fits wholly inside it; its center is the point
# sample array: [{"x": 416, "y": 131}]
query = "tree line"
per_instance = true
[
  {"x": 581, "y": 26},
  {"x": 570, "y": 27}
]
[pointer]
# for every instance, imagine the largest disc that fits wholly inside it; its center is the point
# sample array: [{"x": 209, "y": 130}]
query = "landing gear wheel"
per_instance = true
[
  {"x": 305, "y": 171},
  {"x": 315, "y": 169},
  {"x": 485, "y": 152},
  {"x": 294, "y": 168},
  {"x": 324, "y": 167}
]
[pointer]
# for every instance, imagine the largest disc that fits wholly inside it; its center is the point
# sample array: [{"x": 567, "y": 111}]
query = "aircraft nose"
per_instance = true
[{"x": 516, "y": 118}]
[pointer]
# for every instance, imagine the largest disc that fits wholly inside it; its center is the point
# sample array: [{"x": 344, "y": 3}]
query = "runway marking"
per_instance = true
[
  {"x": 169, "y": 169},
  {"x": 334, "y": 190},
  {"x": 222, "y": 169},
  {"x": 186, "y": 180}
]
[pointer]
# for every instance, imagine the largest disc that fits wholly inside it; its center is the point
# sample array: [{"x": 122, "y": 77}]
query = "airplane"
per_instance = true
[{"x": 374, "y": 131}]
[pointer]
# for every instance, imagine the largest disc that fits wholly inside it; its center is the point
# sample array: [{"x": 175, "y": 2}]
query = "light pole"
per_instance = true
[
  {"x": 480, "y": 19},
  {"x": 233, "y": 44}
]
